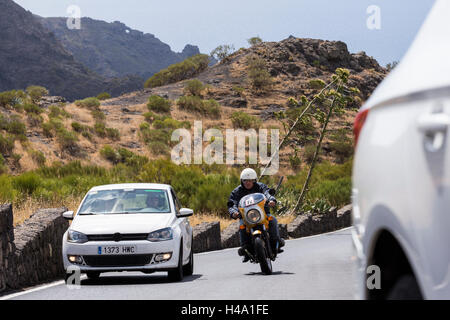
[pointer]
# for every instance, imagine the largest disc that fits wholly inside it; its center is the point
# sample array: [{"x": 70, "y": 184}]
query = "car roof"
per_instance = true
[
  {"x": 425, "y": 68},
  {"x": 132, "y": 186}
]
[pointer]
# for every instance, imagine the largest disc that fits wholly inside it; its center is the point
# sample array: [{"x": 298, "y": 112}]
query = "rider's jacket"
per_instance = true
[{"x": 238, "y": 193}]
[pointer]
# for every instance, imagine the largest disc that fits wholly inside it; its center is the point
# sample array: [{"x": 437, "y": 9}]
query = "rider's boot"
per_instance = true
[
  {"x": 242, "y": 252},
  {"x": 281, "y": 244}
]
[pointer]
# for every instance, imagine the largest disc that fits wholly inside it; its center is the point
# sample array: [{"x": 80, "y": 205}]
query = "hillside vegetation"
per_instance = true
[{"x": 54, "y": 153}]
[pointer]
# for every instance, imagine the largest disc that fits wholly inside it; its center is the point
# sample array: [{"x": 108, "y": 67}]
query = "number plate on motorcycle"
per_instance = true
[
  {"x": 112, "y": 250},
  {"x": 249, "y": 202}
]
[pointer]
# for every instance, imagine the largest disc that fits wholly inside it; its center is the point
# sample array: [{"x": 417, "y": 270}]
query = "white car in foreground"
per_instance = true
[
  {"x": 401, "y": 173},
  {"x": 130, "y": 227}
]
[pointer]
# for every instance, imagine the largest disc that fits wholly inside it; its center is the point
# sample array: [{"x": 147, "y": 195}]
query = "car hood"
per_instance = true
[{"x": 121, "y": 223}]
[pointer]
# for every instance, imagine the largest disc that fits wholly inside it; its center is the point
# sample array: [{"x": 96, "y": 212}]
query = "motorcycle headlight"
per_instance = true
[
  {"x": 76, "y": 237},
  {"x": 254, "y": 216},
  {"x": 161, "y": 235}
]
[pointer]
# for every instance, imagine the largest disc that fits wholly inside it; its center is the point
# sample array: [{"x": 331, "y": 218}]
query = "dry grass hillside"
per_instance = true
[{"x": 291, "y": 63}]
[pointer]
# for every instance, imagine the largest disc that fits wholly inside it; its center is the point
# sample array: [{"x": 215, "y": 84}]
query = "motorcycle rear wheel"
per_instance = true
[{"x": 263, "y": 258}]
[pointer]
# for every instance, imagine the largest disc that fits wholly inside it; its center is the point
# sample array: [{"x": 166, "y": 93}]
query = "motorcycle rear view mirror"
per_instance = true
[
  {"x": 230, "y": 204},
  {"x": 272, "y": 192}
]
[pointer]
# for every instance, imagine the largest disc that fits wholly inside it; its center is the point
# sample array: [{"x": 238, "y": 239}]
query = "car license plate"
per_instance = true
[{"x": 112, "y": 250}]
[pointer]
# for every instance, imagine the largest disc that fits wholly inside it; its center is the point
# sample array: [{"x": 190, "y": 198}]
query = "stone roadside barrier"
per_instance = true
[{"x": 31, "y": 253}]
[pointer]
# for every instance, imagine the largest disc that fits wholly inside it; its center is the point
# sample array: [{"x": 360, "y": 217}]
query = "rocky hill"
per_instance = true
[
  {"x": 115, "y": 50},
  {"x": 291, "y": 63},
  {"x": 31, "y": 55}
]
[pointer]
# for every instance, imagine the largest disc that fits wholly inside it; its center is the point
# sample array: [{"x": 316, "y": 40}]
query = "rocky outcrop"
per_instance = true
[
  {"x": 32, "y": 55},
  {"x": 114, "y": 49},
  {"x": 207, "y": 237}
]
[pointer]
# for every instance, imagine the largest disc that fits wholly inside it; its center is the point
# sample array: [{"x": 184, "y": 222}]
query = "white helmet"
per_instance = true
[{"x": 249, "y": 174}]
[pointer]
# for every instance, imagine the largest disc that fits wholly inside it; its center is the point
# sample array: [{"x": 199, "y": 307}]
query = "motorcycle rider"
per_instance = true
[{"x": 248, "y": 186}]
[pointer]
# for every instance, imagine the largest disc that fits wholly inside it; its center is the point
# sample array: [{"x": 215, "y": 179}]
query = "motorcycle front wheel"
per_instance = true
[{"x": 263, "y": 257}]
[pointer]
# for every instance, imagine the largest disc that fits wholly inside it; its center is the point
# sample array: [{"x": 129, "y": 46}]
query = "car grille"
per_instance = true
[
  {"x": 118, "y": 260},
  {"x": 123, "y": 237}
]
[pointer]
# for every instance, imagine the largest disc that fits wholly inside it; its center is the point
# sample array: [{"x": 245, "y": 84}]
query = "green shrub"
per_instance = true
[
  {"x": 91, "y": 103},
  {"x": 112, "y": 133},
  {"x": 295, "y": 161},
  {"x": 222, "y": 52},
  {"x": 6, "y": 144},
  {"x": 341, "y": 145},
  {"x": 27, "y": 183},
  {"x": 158, "y": 147},
  {"x": 100, "y": 129},
  {"x": 103, "y": 96},
  {"x": 77, "y": 127},
  {"x": 254, "y": 41},
  {"x": 209, "y": 108},
  {"x": 337, "y": 192},
  {"x": 150, "y": 117},
  {"x": 36, "y": 92},
  {"x": 171, "y": 124},
  {"x": 239, "y": 90},
  {"x": 194, "y": 87},
  {"x": 292, "y": 103},
  {"x": 35, "y": 120},
  {"x": 308, "y": 152},
  {"x": 67, "y": 140},
  {"x": 47, "y": 129},
  {"x": 153, "y": 135},
  {"x": 58, "y": 112},
  {"x": 16, "y": 159},
  {"x": 38, "y": 157},
  {"x": 186, "y": 69},
  {"x": 316, "y": 84},
  {"x": 3, "y": 169},
  {"x": 32, "y": 108},
  {"x": 110, "y": 154},
  {"x": 87, "y": 135},
  {"x": 258, "y": 74},
  {"x": 16, "y": 127},
  {"x": 244, "y": 121},
  {"x": 51, "y": 127},
  {"x": 12, "y": 98},
  {"x": 158, "y": 104},
  {"x": 98, "y": 115}
]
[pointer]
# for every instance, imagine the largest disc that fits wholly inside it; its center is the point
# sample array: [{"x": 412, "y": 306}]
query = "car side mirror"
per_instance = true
[
  {"x": 68, "y": 215},
  {"x": 185, "y": 212},
  {"x": 272, "y": 192}
]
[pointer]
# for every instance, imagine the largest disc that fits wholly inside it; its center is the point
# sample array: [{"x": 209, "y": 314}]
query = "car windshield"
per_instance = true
[{"x": 126, "y": 201}]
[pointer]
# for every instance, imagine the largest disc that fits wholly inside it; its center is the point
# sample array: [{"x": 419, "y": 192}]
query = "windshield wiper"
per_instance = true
[{"x": 87, "y": 213}]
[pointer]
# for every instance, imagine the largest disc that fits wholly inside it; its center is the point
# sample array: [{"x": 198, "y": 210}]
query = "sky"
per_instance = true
[{"x": 383, "y": 29}]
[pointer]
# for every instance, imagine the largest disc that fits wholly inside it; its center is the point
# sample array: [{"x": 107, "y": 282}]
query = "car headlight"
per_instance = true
[
  {"x": 76, "y": 237},
  {"x": 254, "y": 216},
  {"x": 161, "y": 235}
]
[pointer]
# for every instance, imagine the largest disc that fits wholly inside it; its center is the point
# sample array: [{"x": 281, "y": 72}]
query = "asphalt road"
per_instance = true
[{"x": 318, "y": 267}]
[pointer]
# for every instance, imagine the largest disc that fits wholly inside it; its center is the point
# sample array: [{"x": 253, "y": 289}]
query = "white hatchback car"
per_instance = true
[
  {"x": 401, "y": 173},
  {"x": 130, "y": 227}
]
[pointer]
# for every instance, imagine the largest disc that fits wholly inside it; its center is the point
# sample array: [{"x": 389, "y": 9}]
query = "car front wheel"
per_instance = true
[
  {"x": 189, "y": 268},
  {"x": 176, "y": 274}
]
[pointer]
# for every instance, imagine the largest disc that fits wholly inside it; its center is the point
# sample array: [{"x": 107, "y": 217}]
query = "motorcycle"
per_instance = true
[{"x": 256, "y": 223}]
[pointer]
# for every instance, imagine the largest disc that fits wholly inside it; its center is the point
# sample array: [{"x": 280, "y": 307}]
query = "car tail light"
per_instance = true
[{"x": 359, "y": 122}]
